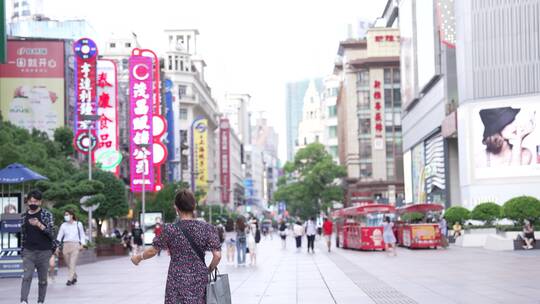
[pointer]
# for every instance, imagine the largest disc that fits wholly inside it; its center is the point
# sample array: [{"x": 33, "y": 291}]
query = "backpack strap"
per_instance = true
[{"x": 194, "y": 246}]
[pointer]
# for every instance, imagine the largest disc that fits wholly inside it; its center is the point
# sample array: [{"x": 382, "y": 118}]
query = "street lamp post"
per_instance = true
[
  {"x": 143, "y": 193},
  {"x": 90, "y": 118}
]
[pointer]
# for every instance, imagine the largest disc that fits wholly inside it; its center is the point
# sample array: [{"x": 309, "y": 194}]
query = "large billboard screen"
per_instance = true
[
  {"x": 504, "y": 140},
  {"x": 32, "y": 85}
]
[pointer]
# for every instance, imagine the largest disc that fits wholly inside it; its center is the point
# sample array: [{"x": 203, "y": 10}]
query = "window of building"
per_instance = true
[
  {"x": 363, "y": 100},
  {"x": 332, "y": 131},
  {"x": 364, "y": 125},
  {"x": 366, "y": 170},
  {"x": 387, "y": 76},
  {"x": 125, "y": 64},
  {"x": 182, "y": 91},
  {"x": 112, "y": 45},
  {"x": 305, "y": 141},
  {"x": 316, "y": 138},
  {"x": 333, "y": 150},
  {"x": 170, "y": 63},
  {"x": 390, "y": 169},
  {"x": 387, "y": 98},
  {"x": 365, "y": 148},
  {"x": 332, "y": 111},
  {"x": 362, "y": 78},
  {"x": 176, "y": 63},
  {"x": 183, "y": 114},
  {"x": 396, "y": 76},
  {"x": 397, "y": 98},
  {"x": 181, "y": 64},
  {"x": 389, "y": 118},
  {"x": 128, "y": 44}
]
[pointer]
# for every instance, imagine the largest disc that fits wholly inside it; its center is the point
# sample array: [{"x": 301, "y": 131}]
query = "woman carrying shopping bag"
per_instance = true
[
  {"x": 72, "y": 239},
  {"x": 187, "y": 240}
]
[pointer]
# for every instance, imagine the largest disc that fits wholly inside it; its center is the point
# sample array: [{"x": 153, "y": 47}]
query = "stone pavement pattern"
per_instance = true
[{"x": 456, "y": 275}]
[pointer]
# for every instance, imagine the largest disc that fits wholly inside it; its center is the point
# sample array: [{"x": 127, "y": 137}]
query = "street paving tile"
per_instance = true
[{"x": 456, "y": 275}]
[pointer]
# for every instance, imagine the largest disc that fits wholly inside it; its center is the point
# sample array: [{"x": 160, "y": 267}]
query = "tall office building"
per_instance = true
[{"x": 294, "y": 110}]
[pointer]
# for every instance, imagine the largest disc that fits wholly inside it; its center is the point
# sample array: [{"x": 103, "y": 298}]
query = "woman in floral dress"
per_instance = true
[{"x": 188, "y": 274}]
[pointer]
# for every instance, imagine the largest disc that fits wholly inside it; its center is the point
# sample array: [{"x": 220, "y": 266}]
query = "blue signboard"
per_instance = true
[
  {"x": 11, "y": 226},
  {"x": 169, "y": 116}
]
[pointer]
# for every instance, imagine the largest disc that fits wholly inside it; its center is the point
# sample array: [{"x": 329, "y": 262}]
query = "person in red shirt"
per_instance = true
[{"x": 327, "y": 231}]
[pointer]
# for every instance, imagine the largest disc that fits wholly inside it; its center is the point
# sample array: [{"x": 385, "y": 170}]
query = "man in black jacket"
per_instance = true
[{"x": 38, "y": 244}]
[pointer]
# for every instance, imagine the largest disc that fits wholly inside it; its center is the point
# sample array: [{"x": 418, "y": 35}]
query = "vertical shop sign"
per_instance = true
[
  {"x": 141, "y": 110},
  {"x": 85, "y": 93}
]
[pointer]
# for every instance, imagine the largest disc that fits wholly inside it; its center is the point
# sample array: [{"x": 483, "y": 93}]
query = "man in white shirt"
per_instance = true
[
  {"x": 72, "y": 237},
  {"x": 298, "y": 233}
]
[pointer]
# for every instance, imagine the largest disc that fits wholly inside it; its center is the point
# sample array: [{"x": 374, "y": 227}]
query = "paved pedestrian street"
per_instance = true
[{"x": 455, "y": 275}]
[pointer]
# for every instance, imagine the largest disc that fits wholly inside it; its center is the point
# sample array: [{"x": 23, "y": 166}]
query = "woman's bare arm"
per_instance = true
[
  {"x": 148, "y": 253},
  {"x": 216, "y": 257}
]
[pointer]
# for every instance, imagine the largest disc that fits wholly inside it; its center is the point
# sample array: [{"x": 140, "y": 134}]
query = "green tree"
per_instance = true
[
  {"x": 112, "y": 198},
  {"x": 64, "y": 137},
  {"x": 456, "y": 214},
  {"x": 163, "y": 201},
  {"x": 522, "y": 208},
  {"x": 487, "y": 212},
  {"x": 310, "y": 184}
]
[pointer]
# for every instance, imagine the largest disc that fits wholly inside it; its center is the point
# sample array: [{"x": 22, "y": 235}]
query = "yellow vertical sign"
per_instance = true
[{"x": 200, "y": 138}]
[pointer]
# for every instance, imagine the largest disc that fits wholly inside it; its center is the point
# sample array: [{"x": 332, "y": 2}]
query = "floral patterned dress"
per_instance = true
[{"x": 188, "y": 275}]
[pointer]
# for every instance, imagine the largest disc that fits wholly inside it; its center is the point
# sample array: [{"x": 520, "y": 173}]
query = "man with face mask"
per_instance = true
[{"x": 38, "y": 244}]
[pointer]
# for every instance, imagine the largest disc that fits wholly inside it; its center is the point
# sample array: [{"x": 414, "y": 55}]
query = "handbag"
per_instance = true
[{"x": 218, "y": 290}]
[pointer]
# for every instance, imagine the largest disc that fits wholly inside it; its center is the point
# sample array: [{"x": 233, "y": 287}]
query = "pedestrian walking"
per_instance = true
[
  {"x": 388, "y": 236},
  {"x": 126, "y": 241},
  {"x": 311, "y": 232},
  {"x": 37, "y": 243},
  {"x": 283, "y": 234},
  {"x": 443, "y": 228},
  {"x": 72, "y": 239},
  {"x": 157, "y": 232},
  {"x": 137, "y": 238},
  {"x": 230, "y": 241},
  {"x": 327, "y": 231},
  {"x": 252, "y": 231},
  {"x": 298, "y": 231},
  {"x": 241, "y": 241},
  {"x": 187, "y": 240}
]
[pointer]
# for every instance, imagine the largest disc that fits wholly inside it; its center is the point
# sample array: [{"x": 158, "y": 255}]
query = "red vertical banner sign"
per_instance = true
[
  {"x": 107, "y": 155},
  {"x": 85, "y": 93},
  {"x": 157, "y": 120},
  {"x": 225, "y": 159},
  {"x": 141, "y": 114}
]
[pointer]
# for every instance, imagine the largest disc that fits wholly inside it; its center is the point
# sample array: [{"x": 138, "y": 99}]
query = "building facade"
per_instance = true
[
  {"x": 192, "y": 100},
  {"x": 329, "y": 115},
  {"x": 369, "y": 120},
  {"x": 293, "y": 110},
  {"x": 311, "y": 127}
]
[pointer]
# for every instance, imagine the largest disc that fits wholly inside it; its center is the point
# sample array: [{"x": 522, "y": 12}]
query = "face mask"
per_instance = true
[
  {"x": 67, "y": 218},
  {"x": 33, "y": 207}
]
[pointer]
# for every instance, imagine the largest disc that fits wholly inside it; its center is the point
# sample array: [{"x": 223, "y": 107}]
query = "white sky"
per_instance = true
[{"x": 250, "y": 46}]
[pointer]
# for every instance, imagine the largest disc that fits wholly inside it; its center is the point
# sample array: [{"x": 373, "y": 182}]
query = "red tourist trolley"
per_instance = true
[
  {"x": 360, "y": 227},
  {"x": 419, "y": 235}
]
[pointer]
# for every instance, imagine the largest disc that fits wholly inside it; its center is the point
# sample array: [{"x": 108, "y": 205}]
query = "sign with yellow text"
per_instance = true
[{"x": 200, "y": 152}]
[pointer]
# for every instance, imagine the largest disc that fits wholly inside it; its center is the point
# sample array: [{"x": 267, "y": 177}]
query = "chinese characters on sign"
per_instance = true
[
  {"x": 107, "y": 149},
  {"x": 225, "y": 173},
  {"x": 386, "y": 38},
  {"x": 85, "y": 92},
  {"x": 378, "y": 142},
  {"x": 141, "y": 142},
  {"x": 200, "y": 153}
]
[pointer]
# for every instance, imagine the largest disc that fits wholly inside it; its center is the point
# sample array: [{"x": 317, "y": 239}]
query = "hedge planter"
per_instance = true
[{"x": 111, "y": 250}]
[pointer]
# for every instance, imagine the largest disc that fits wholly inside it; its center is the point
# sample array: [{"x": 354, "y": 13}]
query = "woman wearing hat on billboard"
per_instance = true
[{"x": 503, "y": 138}]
